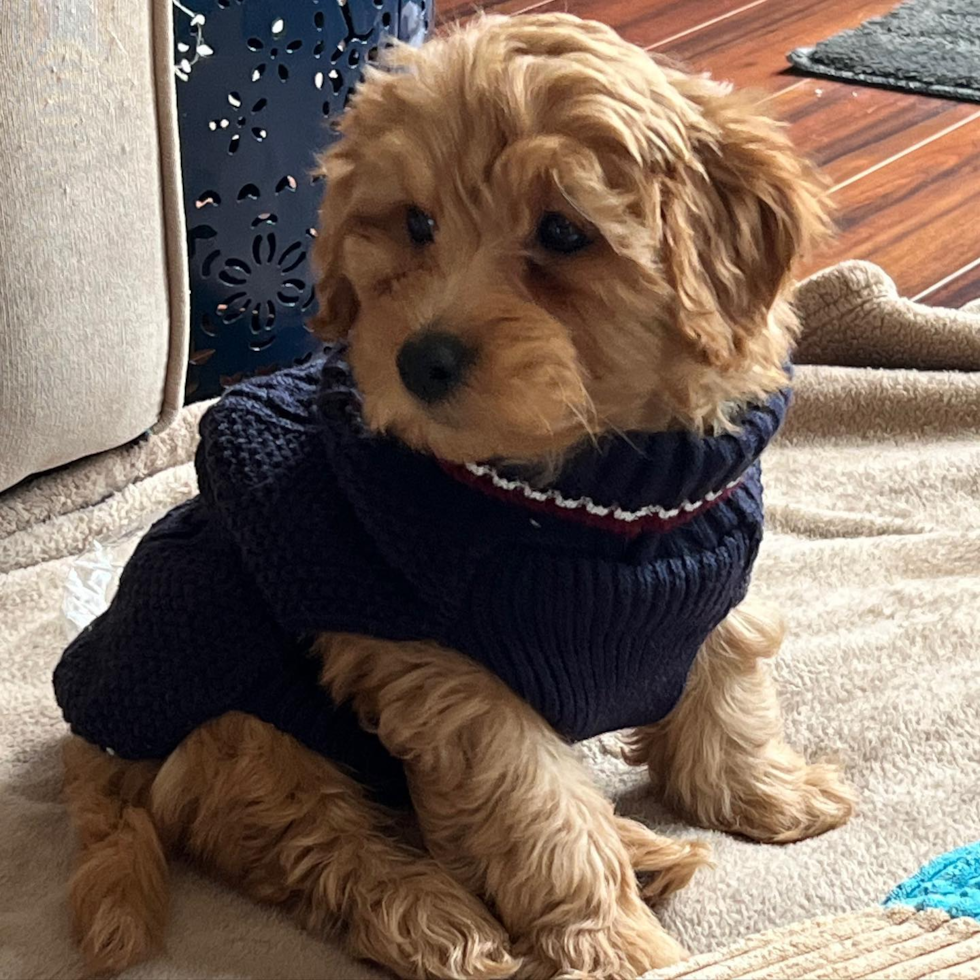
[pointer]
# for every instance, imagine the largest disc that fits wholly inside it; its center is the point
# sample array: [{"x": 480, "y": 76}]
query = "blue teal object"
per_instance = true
[
  {"x": 259, "y": 83},
  {"x": 950, "y": 882}
]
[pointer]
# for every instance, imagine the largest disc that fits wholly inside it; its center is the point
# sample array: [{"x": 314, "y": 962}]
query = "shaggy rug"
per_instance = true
[
  {"x": 928, "y": 46},
  {"x": 872, "y": 550}
]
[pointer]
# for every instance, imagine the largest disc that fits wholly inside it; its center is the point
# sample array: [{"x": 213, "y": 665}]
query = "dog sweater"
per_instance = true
[{"x": 589, "y": 598}]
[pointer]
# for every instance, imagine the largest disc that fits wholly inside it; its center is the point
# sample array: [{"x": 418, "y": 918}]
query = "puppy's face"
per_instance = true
[{"x": 534, "y": 234}]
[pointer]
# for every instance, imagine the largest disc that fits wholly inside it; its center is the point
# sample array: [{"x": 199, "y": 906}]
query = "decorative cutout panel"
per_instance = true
[{"x": 257, "y": 84}]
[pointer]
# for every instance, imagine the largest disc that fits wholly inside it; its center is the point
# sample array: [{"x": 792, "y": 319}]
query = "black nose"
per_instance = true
[{"x": 434, "y": 364}]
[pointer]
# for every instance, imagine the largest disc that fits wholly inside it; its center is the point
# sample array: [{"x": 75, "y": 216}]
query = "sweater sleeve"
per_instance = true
[{"x": 186, "y": 638}]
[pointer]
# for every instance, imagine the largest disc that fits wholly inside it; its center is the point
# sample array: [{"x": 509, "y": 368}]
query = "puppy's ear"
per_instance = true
[
  {"x": 736, "y": 222},
  {"x": 337, "y": 300}
]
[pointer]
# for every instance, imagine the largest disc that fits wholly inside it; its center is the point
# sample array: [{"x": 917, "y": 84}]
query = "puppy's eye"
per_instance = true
[
  {"x": 557, "y": 234},
  {"x": 421, "y": 227}
]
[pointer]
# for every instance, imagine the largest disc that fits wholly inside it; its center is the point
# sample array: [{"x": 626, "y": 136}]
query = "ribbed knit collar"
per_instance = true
[{"x": 630, "y": 484}]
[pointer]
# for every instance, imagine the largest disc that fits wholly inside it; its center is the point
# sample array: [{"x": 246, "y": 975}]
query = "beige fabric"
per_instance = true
[
  {"x": 93, "y": 285},
  {"x": 873, "y": 551},
  {"x": 884, "y": 329},
  {"x": 172, "y": 199},
  {"x": 62, "y": 513},
  {"x": 884, "y": 944}
]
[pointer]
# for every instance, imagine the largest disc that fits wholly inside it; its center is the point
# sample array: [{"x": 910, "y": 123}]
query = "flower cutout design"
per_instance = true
[
  {"x": 350, "y": 50},
  {"x": 274, "y": 52},
  {"x": 261, "y": 282},
  {"x": 266, "y": 279},
  {"x": 258, "y": 80},
  {"x": 243, "y": 122},
  {"x": 191, "y": 50}
]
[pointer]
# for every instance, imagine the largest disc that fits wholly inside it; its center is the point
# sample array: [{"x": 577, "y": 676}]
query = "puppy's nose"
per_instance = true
[{"x": 433, "y": 364}]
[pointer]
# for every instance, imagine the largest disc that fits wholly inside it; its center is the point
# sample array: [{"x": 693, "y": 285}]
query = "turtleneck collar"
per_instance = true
[
  {"x": 640, "y": 482},
  {"x": 626, "y": 484}
]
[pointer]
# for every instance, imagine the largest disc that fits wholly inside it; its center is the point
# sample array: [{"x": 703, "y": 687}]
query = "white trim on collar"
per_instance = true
[{"x": 589, "y": 505}]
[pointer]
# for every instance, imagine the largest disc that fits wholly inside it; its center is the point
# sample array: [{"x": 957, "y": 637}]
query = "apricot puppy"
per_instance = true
[{"x": 517, "y": 505}]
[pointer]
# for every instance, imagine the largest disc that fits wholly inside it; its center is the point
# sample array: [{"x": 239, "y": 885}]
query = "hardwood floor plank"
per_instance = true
[
  {"x": 651, "y": 22},
  {"x": 455, "y": 11},
  {"x": 915, "y": 217},
  {"x": 642, "y": 23},
  {"x": 750, "y": 47},
  {"x": 448, "y": 11},
  {"x": 849, "y": 129},
  {"x": 959, "y": 288}
]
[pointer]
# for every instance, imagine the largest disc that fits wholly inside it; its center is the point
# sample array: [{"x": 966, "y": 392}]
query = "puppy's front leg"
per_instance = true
[
  {"x": 505, "y": 805},
  {"x": 720, "y": 757},
  {"x": 289, "y": 827}
]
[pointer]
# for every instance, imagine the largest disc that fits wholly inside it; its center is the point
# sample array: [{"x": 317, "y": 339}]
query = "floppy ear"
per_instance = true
[
  {"x": 361, "y": 124},
  {"x": 736, "y": 222},
  {"x": 337, "y": 300}
]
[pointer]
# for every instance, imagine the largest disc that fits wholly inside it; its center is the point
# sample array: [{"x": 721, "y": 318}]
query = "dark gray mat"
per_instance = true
[{"x": 927, "y": 46}]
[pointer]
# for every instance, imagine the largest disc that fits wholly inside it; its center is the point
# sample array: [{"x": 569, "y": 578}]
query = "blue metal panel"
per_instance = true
[{"x": 257, "y": 83}]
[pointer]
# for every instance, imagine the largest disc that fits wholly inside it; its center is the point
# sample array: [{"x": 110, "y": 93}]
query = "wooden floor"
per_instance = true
[{"x": 905, "y": 168}]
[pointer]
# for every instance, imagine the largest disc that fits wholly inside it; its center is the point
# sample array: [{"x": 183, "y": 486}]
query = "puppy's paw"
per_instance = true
[
  {"x": 428, "y": 926},
  {"x": 118, "y": 896},
  {"x": 662, "y": 864},
  {"x": 797, "y": 804},
  {"x": 115, "y": 940},
  {"x": 634, "y": 943}
]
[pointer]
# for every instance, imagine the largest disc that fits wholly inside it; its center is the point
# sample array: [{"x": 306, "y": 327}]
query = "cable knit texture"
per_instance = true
[{"x": 306, "y": 522}]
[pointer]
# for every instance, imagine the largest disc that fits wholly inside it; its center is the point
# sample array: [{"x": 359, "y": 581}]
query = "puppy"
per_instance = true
[{"x": 518, "y": 505}]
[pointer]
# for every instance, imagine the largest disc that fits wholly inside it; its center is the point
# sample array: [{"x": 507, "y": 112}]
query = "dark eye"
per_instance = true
[
  {"x": 421, "y": 227},
  {"x": 557, "y": 234}
]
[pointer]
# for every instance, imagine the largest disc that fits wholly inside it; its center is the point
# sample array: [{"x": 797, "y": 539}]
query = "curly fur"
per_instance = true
[{"x": 674, "y": 316}]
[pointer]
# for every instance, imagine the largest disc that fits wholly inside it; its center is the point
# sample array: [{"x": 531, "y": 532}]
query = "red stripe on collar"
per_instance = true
[{"x": 583, "y": 510}]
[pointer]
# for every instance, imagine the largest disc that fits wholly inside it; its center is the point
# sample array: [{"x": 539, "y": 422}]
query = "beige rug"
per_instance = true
[
  {"x": 873, "y": 551},
  {"x": 880, "y": 944}
]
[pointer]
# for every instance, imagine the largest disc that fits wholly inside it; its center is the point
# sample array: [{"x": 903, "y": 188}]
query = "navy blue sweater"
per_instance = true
[{"x": 589, "y": 599}]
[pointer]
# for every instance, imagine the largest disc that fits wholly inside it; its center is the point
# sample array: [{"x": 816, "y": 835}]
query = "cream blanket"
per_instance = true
[{"x": 873, "y": 552}]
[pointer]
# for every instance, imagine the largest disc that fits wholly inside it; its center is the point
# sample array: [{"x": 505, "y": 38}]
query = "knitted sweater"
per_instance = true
[{"x": 589, "y": 599}]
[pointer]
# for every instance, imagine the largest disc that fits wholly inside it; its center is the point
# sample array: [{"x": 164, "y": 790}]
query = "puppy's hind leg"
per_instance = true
[
  {"x": 118, "y": 890},
  {"x": 720, "y": 757},
  {"x": 289, "y": 827}
]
